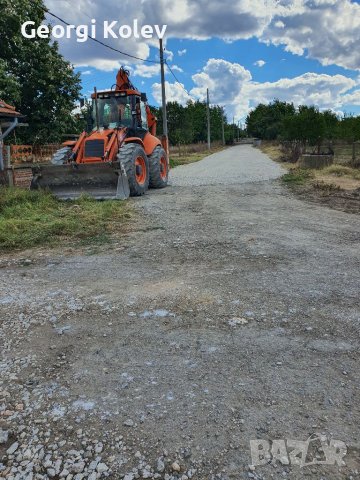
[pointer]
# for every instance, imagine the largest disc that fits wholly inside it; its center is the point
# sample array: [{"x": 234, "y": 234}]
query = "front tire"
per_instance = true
[
  {"x": 159, "y": 168},
  {"x": 61, "y": 156},
  {"x": 136, "y": 164}
]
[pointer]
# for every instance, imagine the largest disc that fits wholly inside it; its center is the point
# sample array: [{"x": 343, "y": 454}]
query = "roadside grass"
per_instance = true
[
  {"x": 176, "y": 160},
  {"x": 342, "y": 171},
  {"x": 273, "y": 150},
  {"x": 34, "y": 218},
  {"x": 326, "y": 186},
  {"x": 334, "y": 177},
  {"x": 297, "y": 176},
  {"x": 339, "y": 176}
]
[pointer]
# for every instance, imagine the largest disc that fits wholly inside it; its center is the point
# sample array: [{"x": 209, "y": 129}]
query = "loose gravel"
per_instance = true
[
  {"x": 229, "y": 313},
  {"x": 232, "y": 166}
]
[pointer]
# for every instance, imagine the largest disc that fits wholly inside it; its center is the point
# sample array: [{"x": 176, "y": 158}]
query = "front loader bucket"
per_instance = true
[{"x": 101, "y": 181}]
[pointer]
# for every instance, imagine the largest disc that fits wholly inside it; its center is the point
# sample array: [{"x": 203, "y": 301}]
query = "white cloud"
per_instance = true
[
  {"x": 231, "y": 85},
  {"x": 86, "y": 72},
  {"x": 224, "y": 79},
  {"x": 151, "y": 70},
  {"x": 196, "y": 19},
  {"x": 324, "y": 91},
  {"x": 326, "y": 30},
  {"x": 90, "y": 53},
  {"x": 176, "y": 68},
  {"x": 169, "y": 55},
  {"x": 174, "y": 93},
  {"x": 101, "y": 64},
  {"x": 146, "y": 70},
  {"x": 351, "y": 98},
  {"x": 181, "y": 53},
  {"x": 279, "y": 24},
  {"x": 260, "y": 63},
  {"x": 226, "y": 82},
  {"x": 202, "y": 19}
]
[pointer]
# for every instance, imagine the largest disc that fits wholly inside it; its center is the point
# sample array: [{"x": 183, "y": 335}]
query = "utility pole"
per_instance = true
[
  {"x": 163, "y": 91},
  {"x": 208, "y": 117}
]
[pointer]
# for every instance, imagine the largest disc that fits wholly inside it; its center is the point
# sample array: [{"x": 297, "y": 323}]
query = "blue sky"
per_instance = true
[{"x": 308, "y": 50}]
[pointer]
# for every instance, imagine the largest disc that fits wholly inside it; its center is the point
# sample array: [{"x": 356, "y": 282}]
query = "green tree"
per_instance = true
[
  {"x": 307, "y": 125},
  {"x": 180, "y": 128},
  {"x": 331, "y": 124},
  {"x": 188, "y": 124},
  {"x": 349, "y": 128},
  {"x": 217, "y": 114},
  {"x": 266, "y": 121},
  {"x": 34, "y": 77},
  {"x": 196, "y": 114}
]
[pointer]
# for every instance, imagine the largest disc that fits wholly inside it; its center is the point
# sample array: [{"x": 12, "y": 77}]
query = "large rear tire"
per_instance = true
[
  {"x": 61, "y": 156},
  {"x": 136, "y": 164},
  {"x": 159, "y": 168}
]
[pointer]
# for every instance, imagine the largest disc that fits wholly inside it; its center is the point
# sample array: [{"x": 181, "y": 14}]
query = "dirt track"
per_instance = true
[{"x": 227, "y": 314}]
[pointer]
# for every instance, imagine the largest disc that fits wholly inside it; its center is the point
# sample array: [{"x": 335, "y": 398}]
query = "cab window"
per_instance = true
[{"x": 143, "y": 115}]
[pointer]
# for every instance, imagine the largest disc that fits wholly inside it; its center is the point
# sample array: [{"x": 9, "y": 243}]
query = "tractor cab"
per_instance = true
[{"x": 114, "y": 109}]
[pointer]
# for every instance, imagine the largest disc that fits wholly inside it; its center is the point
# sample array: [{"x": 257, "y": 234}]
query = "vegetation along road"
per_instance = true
[{"x": 228, "y": 312}]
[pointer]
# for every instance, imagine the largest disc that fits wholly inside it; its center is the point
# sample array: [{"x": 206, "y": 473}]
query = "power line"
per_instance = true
[
  {"x": 119, "y": 51},
  {"x": 71, "y": 6},
  {"x": 99, "y": 42},
  {"x": 177, "y": 81},
  {"x": 105, "y": 44}
]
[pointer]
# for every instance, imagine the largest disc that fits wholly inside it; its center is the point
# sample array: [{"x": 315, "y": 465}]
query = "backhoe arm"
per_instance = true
[{"x": 151, "y": 120}]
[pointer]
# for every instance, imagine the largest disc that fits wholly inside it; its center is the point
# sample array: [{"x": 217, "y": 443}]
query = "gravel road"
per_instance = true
[
  {"x": 233, "y": 166},
  {"x": 227, "y": 313}
]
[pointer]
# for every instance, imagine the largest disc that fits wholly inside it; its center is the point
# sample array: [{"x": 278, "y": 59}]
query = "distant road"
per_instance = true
[{"x": 240, "y": 164}]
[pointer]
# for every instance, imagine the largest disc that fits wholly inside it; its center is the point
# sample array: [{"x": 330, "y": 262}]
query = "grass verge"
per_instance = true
[
  {"x": 34, "y": 218},
  {"x": 342, "y": 171},
  {"x": 176, "y": 161},
  {"x": 340, "y": 176},
  {"x": 297, "y": 176},
  {"x": 272, "y": 150}
]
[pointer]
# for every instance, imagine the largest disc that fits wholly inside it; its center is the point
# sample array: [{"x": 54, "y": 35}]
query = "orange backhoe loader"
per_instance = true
[{"x": 121, "y": 156}]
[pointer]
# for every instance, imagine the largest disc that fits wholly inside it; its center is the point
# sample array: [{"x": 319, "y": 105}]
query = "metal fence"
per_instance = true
[
  {"x": 343, "y": 152},
  {"x": 346, "y": 153}
]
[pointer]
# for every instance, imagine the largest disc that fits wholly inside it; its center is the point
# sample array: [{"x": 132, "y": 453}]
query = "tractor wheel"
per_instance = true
[
  {"x": 136, "y": 164},
  {"x": 159, "y": 168},
  {"x": 61, "y": 156}
]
